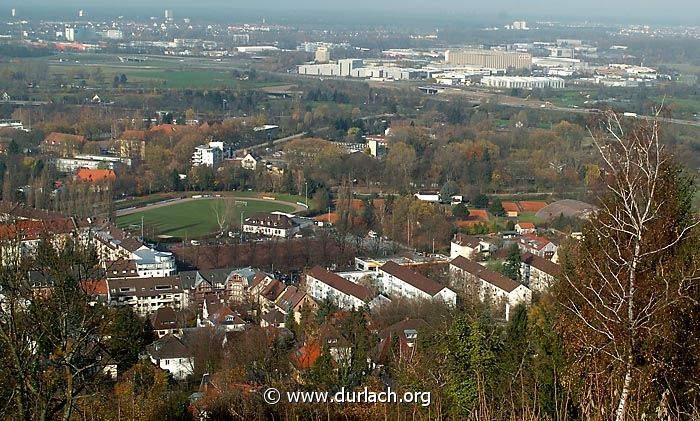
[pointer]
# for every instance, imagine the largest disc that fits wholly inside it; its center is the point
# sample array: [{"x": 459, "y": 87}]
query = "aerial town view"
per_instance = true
[{"x": 323, "y": 211}]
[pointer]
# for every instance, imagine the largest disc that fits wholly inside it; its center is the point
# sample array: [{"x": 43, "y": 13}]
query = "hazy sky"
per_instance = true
[{"x": 624, "y": 11}]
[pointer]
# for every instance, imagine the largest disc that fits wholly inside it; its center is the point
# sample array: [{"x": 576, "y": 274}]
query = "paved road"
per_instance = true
[{"x": 129, "y": 211}]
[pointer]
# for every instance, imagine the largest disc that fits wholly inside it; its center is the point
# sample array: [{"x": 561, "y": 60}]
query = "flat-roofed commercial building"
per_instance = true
[
  {"x": 523, "y": 82},
  {"x": 492, "y": 59}
]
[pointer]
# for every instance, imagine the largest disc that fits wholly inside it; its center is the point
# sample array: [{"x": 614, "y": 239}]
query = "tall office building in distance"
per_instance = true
[
  {"x": 491, "y": 59},
  {"x": 323, "y": 55},
  {"x": 169, "y": 14}
]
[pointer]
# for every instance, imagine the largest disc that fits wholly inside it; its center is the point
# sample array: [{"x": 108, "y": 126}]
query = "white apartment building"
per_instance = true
[
  {"x": 322, "y": 284},
  {"x": 146, "y": 295},
  {"x": 501, "y": 289},
  {"x": 400, "y": 281},
  {"x": 92, "y": 162},
  {"x": 538, "y": 272},
  {"x": 210, "y": 155},
  {"x": 530, "y": 82},
  {"x": 152, "y": 263}
]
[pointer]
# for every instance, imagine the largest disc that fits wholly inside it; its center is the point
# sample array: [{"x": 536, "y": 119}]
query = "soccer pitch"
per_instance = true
[{"x": 195, "y": 218}]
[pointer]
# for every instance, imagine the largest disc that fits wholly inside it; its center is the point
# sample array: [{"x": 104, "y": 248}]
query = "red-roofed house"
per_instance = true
[
  {"x": 62, "y": 144},
  {"x": 525, "y": 228},
  {"x": 511, "y": 208},
  {"x": 132, "y": 144},
  {"x": 164, "y": 129},
  {"x": 539, "y": 246}
]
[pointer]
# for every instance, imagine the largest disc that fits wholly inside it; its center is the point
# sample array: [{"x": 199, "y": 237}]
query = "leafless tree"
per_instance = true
[
  {"x": 223, "y": 212},
  {"x": 622, "y": 285}
]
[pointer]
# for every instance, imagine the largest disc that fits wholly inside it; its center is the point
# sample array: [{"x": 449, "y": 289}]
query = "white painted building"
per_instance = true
[
  {"x": 523, "y": 82},
  {"x": 400, "y": 281},
  {"x": 152, "y": 263},
  {"x": 322, "y": 284},
  {"x": 271, "y": 225},
  {"x": 490, "y": 283},
  {"x": 171, "y": 354},
  {"x": 146, "y": 295},
  {"x": 210, "y": 155}
]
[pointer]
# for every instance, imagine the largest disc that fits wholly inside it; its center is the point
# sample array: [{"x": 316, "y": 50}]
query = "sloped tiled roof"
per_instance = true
[
  {"x": 341, "y": 284},
  {"x": 545, "y": 265},
  {"x": 169, "y": 346},
  {"x": 466, "y": 240},
  {"x": 55, "y": 138},
  {"x": 164, "y": 318},
  {"x": 485, "y": 274},
  {"x": 415, "y": 279},
  {"x": 133, "y": 135}
]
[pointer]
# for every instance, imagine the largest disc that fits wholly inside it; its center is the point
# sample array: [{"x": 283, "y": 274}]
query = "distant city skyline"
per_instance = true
[{"x": 622, "y": 11}]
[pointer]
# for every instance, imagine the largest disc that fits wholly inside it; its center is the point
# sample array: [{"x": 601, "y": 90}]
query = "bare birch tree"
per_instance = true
[
  {"x": 223, "y": 210},
  {"x": 631, "y": 277}
]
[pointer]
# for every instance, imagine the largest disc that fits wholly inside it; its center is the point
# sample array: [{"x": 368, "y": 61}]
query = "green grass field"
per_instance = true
[{"x": 193, "y": 219}]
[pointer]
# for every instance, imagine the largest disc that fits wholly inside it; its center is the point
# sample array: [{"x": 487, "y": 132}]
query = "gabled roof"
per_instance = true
[
  {"x": 121, "y": 269},
  {"x": 306, "y": 355},
  {"x": 133, "y": 135},
  {"x": 534, "y": 241},
  {"x": 131, "y": 244},
  {"x": 164, "y": 318},
  {"x": 169, "y": 346},
  {"x": 56, "y": 138},
  {"x": 415, "y": 279},
  {"x": 164, "y": 128},
  {"x": 274, "y": 317},
  {"x": 193, "y": 278},
  {"x": 95, "y": 176},
  {"x": 525, "y": 225},
  {"x": 485, "y": 274},
  {"x": 273, "y": 290},
  {"x": 341, "y": 284},
  {"x": 403, "y": 326},
  {"x": 284, "y": 301},
  {"x": 272, "y": 220},
  {"x": 466, "y": 240},
  {"x": 258, "y": 278},
  {"x": 545, "y": 265}
]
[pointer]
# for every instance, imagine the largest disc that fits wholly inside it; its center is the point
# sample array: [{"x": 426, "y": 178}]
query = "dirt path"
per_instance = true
[{"x": 168, "y": 202}]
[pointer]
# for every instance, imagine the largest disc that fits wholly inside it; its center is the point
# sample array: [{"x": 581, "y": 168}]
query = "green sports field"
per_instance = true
[{"x": 193, "y": 219}]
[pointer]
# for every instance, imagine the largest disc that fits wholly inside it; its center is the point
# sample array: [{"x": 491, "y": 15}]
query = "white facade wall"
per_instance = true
[
  {"x": 207, "y": 155},
  {"x": 458, "y": 250},
  {"x": 319, "y": 290},
  {"x": 178, "y": 367},
  {"x": 511, "y": 82},
  {"x": 330, "y": 69}
]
